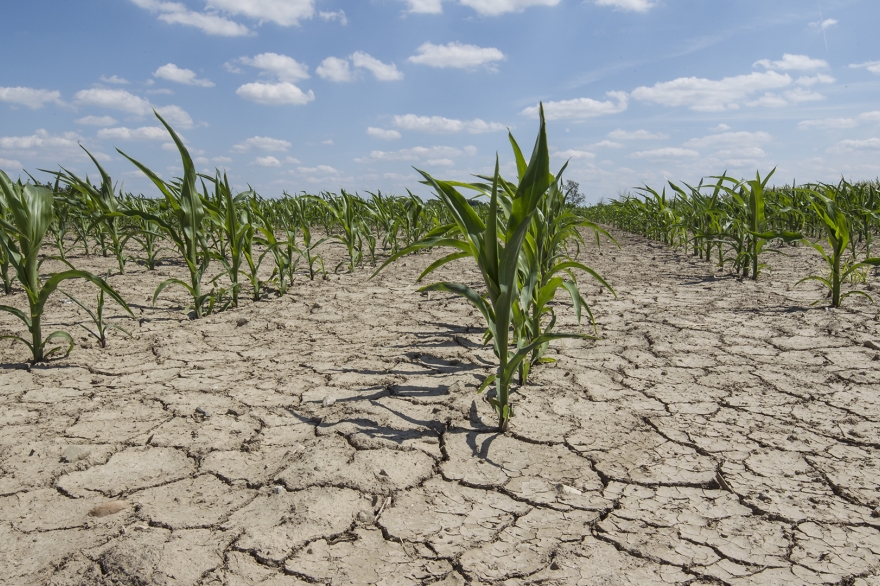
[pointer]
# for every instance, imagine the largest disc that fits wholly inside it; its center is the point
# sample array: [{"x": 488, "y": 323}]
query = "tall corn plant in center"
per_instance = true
[
  {"x": 495, "y": 246},
  {"x": 186, "y": 231}
]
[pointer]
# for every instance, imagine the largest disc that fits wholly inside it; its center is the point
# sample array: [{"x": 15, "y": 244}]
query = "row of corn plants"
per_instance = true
[
  {"x": 225, "y": 238},
  {"x": 734, "y": 223}
]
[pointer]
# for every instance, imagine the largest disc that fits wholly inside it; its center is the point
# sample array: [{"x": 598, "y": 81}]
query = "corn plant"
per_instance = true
[
  {"x": 103, "y": 206},
  {"x": 234, "y": 226},
  {"x": 344, "y": 211},
  {"x": 97, "y": 317},
  {"x": 30, "y": 214},
  {"x": 496, "y": 247},
  {"x": 837, "y": 236},
  {"x": 146, "y": 234},
  {"x": 185, "y": 228}
]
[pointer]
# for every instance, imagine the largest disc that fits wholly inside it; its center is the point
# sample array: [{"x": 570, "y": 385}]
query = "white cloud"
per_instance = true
[
  {"x": 30, "y": 97},
  {"x": 317, "y": 170},
  {"x": 575, "y": 154},
  {"x": 823, "y": 24},
  {"x": 96, "y": 120},
  {"x": 873, "y": 116},
  {"x": 114, "y": 79},
  {"x": 666, "y": 153},
  {"x": 383, "y": 133},
  {"x": 9, "y": 163},
  {"x": 440, "y": 163},
  {"x": 142, "y": 133},
  {"x": 607, "y": 144},
  {"x": 232, "y": 68},
  {"x": 580, "y": 108},
  {"x": 730, "y": 140},
  {"x": 456, "y": 55},
  {"x": 806, "y": 80},
  {"x": 281, "y": 66},
  {"x": 710, "y": 95},
  {"x": 222, "y": 160},
  {"x": 175, "y": 116},
  {"x": 720, "y": 128},
  {"x": 496, "y": 7},
  {"x": 43, "y": 143},
  {"x": 635, "y": 135},
  {"x": 425, "y": 6},
  {"x": 274, "y": 93},
  {"x": 338, "y": 69},
  {"x": 439, "y": 124},
  {"x": 161, "y": 91},
  {"x": 283, "y": 12},
  {"x": 328, "y": 142},
  {"x": 793, "y": 63},
  {"x": 267, "y": 161},
  {"x": 419, "y": 153},
  {"x": 633, "y": 5},
  {"x": 172, "y": 72},
  {"x": 872, "y": 66},
  {"x": 262, "y": 143},
  {"x": 382, "y": 71},
  {"x": 292, "y": 161},
  {"x": 850, "y": 145},
  {"x": 115, "y": 100},
  {"x": 177, "y": 13},
  {"x": 335, "y": 69},
  {"x": 336, "y": 15}
]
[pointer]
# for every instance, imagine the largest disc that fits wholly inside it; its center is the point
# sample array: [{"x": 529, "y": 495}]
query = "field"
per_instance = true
[{"x": 719, "y": 431}]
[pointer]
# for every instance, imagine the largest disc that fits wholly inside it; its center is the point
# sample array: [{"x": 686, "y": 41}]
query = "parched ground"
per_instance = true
[{"x": 719, "y": 432}]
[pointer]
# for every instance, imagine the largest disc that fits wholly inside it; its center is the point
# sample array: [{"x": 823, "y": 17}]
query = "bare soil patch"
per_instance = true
[{"x": 719, "y": 432}]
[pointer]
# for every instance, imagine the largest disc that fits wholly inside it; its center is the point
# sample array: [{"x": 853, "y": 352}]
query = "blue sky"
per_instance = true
[{"x": 306, "y": 95}]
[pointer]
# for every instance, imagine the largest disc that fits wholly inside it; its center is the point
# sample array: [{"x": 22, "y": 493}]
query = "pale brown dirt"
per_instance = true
[{"x": 719, "y": 432}]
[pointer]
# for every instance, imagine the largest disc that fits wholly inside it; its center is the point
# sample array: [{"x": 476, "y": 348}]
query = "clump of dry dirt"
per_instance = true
[{"x": 719, "y": 432}]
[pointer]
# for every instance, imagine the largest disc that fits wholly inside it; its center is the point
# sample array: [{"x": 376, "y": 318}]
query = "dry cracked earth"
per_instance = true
[{"x": 718, "y": 432}]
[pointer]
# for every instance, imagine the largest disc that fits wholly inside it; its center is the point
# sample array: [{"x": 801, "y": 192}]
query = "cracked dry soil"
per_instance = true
[{"x": 719, "y": 432}]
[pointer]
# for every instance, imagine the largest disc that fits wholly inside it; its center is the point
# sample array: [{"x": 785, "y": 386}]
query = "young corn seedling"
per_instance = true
[
  {"x": 30, "y": 213},
  {"x": 97, "y": 316},
  {"x": 186, "y": 229},
  {"x": 234, "y": 229},
  {"x": 837, "y": 236},
  {"x": 495, "y": 246}
]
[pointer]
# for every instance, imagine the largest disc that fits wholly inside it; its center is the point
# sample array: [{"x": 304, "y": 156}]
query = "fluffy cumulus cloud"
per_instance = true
[
  {"x": 575, "y": 154},
  {"x": 209, "y": 23},
  {"x": 335, "y": 69},
  {"x": 30, "y": 97},
  {"x": 439, "y": 124},
  {"x": 709, "y": 95},
  {"x": 793, "y": 63},
  {"x": 96, "y": 120},
  {"x": 172, "y": 72},
  {"x": 282, "y": 12},
  {"x": 839, "y": 123},
  {"x": 851, "y": 145},
  {"x": 483, "y": 7},
  {"x": 872, "y": 66},
  {"x": 420, "y": 154},
  {"x": 267, "y": 161},
  {"x": 340, "y": 70},
  {"x": 262, "y": 143},
  {"x": 274, "y": 94},
  {"x": 580, "y": 108},
  {"x": 383, "y": 133},
  {"x": 669, "y": 153},
  {"x": 630, "y": 5},
  {"x": 114, "y": 99},
  {"x": 456, "y": 55},
  {"x": 823, "y": 24},
  {"x": 42, "y": 144},
  {"x": 381, "y": 71},
  {"x": 142, "y": 133},
  {"x": 635, "y": 135},
  {"x": 283, "y": 67}
]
